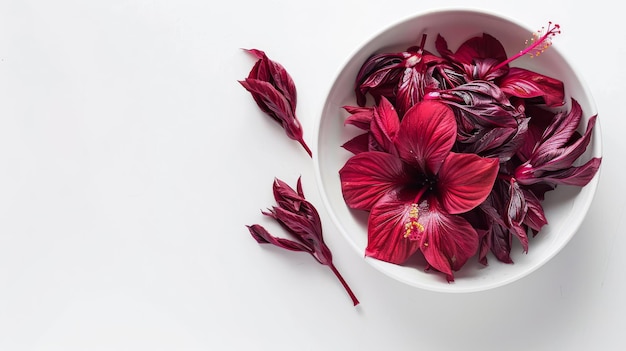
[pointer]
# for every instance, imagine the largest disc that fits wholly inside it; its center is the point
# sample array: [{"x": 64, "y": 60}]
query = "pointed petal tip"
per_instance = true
[
  {"x": 246, "y": 84},
  {"x": 255, "y": 52},
  {"x": 258, "y": 233}
]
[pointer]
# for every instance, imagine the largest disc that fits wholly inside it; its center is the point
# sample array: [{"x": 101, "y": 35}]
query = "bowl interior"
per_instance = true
[{"x": 565, "y": 207}]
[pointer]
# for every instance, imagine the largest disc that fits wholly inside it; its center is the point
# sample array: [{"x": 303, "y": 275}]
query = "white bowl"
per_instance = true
[{"x": 565, "y": 207}]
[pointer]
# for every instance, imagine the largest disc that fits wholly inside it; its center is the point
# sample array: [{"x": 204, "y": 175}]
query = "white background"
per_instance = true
[{"x": 131, "y": 161}]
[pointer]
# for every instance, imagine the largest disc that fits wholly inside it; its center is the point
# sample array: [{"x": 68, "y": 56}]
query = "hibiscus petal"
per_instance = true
[
  {"x": 465, "y": 180},
  {"x": 477, "y": 56},
  {"x": 427, "y": 134},
  {"x": 385, "y": 125},
  {"x": 442, "y": 47},
  {"x": 368, "y": 176},
  {"x": 387, "y": 226},
  {"x": 360, "y": 117},
  {"x": 358, "y": 144},
  {"x": 485, "y": 69},
  {"x": 448, "y": 240},
  {"x": 528, "y": 84},
  {"x": 485, "y": 46}
]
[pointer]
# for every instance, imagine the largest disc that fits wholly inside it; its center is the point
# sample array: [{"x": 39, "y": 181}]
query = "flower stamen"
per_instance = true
[
  {"x": 541, "y": 40},
  {"x": 412, "y": 227}
]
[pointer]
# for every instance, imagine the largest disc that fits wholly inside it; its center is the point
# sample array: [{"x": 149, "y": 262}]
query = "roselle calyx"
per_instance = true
[
  {"x": 275, "y": 93},
  {"x": 300, "y": 218}
]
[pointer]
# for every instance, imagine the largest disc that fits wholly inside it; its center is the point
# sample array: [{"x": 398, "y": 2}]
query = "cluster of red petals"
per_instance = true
[
  {"x": 457, "y": 152},
  {"x": 300, "y": 218},
  {"x": 274, "y": 91}
]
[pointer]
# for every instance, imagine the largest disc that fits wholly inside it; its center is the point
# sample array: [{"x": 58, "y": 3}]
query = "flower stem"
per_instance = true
[
  {"x": 355, "y": 301},
  {"x": 306, "y": 147}
]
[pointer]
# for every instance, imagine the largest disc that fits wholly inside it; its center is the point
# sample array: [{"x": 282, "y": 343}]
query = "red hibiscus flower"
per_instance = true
[{"x": 416, "y": 191}]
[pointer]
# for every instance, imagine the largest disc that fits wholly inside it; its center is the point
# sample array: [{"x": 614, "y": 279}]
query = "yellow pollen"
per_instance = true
[{"x": 412, "y": 226}]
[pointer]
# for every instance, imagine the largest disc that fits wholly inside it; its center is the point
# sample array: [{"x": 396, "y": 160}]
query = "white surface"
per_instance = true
[{"x": 131, "y": 159}]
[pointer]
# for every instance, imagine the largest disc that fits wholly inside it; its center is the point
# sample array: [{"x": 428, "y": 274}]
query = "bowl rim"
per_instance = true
[{"x": 379, "y": 265}]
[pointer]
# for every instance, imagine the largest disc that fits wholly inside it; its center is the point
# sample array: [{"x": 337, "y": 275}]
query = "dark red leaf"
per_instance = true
[
  {"x": 378, "y": 72},
  {"x": 396, "y": 76},
  {"x": 262, "y": 236},
  {"x": 501, "y": 143},
  {"x": 501, "y": 242},
  {"x": 516, "y": 212},
  {"x": 578, "y": 176},
  {"x": 479, "y": 103},
  {"x": 410, "y": 89}
]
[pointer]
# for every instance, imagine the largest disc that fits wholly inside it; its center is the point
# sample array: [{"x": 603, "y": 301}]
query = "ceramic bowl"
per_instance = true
[{"x": 565, "y": 207}]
